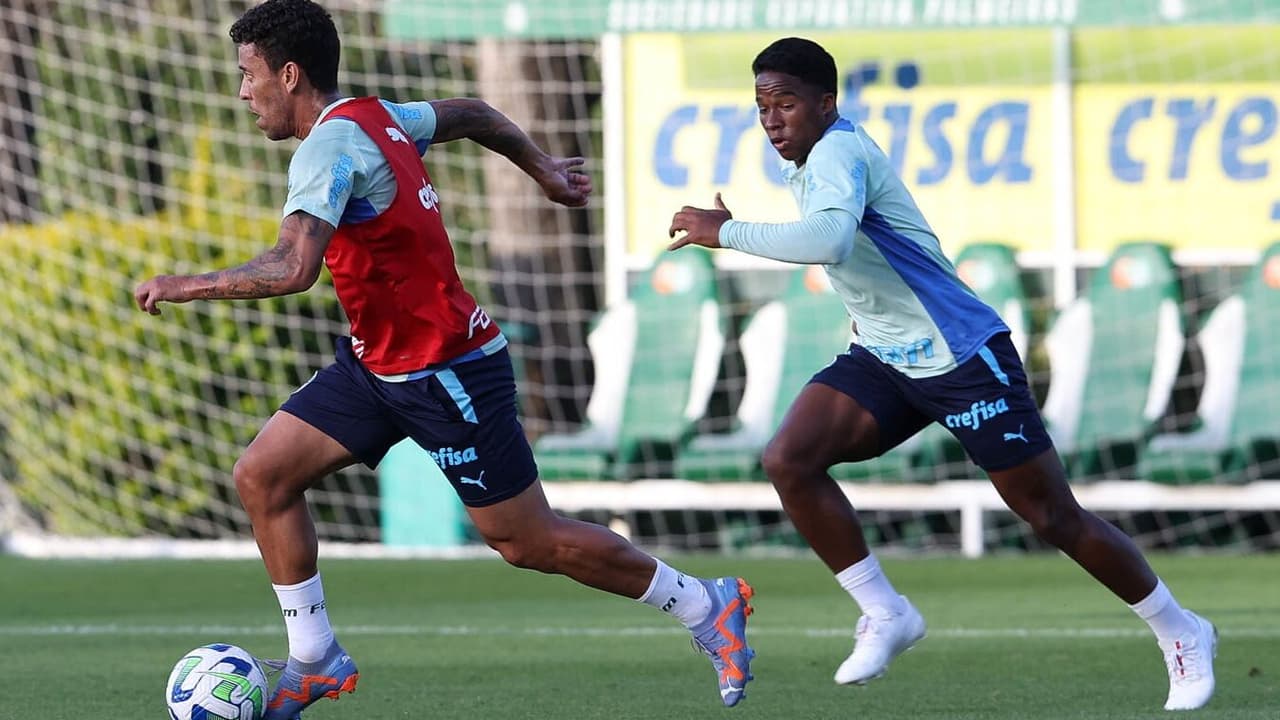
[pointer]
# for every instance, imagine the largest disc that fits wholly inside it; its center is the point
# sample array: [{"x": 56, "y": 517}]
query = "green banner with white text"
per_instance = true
[{"x": 562, "y": 19}]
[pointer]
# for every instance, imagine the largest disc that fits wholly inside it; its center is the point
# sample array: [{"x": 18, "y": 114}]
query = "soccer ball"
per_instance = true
[{"x": 216, "y": 682}]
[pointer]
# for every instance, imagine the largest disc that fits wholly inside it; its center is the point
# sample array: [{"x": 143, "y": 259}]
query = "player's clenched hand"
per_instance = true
[
  {"x": 161, "y": 288},
  {"x": 700, "y": 227},
  {"x": 565, "y": 182}
]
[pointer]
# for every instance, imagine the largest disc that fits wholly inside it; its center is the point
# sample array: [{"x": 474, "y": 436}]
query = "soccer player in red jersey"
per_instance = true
[{"x": 423, "y": 359}]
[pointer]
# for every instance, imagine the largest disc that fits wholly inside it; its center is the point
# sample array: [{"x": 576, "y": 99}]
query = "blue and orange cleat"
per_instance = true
[
  {"x": 723, "y": 636},
  {"x": 301, "y": 684}
]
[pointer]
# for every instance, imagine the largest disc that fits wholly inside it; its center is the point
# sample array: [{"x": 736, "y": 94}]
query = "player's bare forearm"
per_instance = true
[
  {"x": 477, "y": 121},
  {"x": 275, "y": 272},
  {"x": 291, "y": 266}
]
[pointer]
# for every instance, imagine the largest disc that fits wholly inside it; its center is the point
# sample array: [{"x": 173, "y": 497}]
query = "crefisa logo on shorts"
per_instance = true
[
  {"x": 978, "y": 413},
  {"x": 448, "y": 457}
]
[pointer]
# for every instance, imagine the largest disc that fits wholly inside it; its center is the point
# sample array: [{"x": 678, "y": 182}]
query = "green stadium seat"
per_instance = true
[
  {"x": 783, "y": 344},
  {"x": 991, "y": 271},
  {"x": 655, "y": 356},
  {"x": 1114, "y": 355},
  {"x": 1237, "y": 434}
]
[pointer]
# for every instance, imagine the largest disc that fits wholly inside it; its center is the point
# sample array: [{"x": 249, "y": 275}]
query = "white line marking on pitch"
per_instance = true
[{"x": 958, "y": 633}]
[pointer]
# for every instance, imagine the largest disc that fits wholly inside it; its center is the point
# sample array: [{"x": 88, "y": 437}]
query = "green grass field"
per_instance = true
[{"x": 1011, "y": 637}]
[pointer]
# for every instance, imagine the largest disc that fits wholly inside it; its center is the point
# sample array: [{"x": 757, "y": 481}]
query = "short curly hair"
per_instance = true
[
  {"x": 297, "y": 31},
  {"x": 801, "y": 58}
]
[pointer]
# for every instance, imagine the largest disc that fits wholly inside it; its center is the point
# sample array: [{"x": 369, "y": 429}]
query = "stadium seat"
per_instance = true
[
  {"x": 1237, "y": 434},
  {"x": 1114, "y": 355},
  {"x": 784, "y": 343},
  {"x": 991, "y": 270},
  {"x": 656, "y": 357}
]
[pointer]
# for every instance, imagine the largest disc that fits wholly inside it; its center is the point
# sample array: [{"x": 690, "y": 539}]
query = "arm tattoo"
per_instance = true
[
  {"x": 477, "y": 121},
  {"x": 291, "y": 266}
]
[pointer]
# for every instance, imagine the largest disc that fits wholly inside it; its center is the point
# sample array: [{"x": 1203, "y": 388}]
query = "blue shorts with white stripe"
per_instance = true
[{"x": 463, "y": 414}]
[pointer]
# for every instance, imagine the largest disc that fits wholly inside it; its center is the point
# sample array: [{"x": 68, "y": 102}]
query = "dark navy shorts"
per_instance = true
[
  {"x": 985, "y": 402},
  {"x": 464, "y": 416}
]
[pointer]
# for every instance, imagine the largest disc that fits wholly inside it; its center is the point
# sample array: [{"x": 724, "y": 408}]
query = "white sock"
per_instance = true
[
  {"x": 867, "y": 584},
  {"x": 1163, "y": 614},
  {"x": 305, "y": 619},
  {"x": 677, "y": 594}
]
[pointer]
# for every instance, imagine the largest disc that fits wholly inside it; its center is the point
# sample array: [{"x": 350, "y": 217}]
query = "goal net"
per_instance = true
[{"x": 1053, "y": 136}]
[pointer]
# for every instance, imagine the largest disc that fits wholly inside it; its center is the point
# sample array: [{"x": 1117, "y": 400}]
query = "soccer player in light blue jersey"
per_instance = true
[{"x": 927, "y": 350}]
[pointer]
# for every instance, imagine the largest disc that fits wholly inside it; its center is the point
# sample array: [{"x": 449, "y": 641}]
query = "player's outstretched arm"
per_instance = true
[
  {"x": 291, "y": 266},
  {"x": 560, "y": 178},
  {"x": 821, "y": 238}
]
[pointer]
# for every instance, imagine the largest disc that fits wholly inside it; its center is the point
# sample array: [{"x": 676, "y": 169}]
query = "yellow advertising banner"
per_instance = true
[
  {"x": 1190, "y": 165},
  {"x": 977, "y": 157},
  {"x": 1173, "y": 153}
]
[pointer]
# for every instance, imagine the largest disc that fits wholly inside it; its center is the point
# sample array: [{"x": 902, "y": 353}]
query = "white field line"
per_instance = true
[{"x": 957, "y": 633}]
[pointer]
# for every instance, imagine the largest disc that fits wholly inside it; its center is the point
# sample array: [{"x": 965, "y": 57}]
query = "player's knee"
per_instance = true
[
  {"x": 1056, "y": 523},
  {"x": 249, "y": 485},
  {"x": 527, "y": 556},
  {"x": 788, "y": 466},
  {"x": 253, "y": 485},
  {"x": 514, "y": 554}
]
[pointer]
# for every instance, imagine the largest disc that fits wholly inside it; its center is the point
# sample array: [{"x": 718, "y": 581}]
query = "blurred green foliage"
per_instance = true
[{"x": 117, "y": 421}]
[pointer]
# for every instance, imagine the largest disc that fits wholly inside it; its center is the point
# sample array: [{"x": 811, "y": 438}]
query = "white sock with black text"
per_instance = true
[
  {"x": 867, "y": 584},
  {"x": 677, "y": 594},
  {"x": 1163, "y": 613},
  {"x": 305, "y": 619}
]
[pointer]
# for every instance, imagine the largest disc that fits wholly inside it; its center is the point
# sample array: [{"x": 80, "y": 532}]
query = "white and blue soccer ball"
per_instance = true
[{"x": 217, "y": 682}]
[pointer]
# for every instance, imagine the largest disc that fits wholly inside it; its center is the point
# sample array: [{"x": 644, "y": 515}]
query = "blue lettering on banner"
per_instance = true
[
  {"x": 1235, "y": 139},
  {"x": 669, "y": 171},
  {"x": 733, "y": 123},
  {"x": 1123, "y": 166},
  {"x": 1189, "y": 119},
  {"x": 899, "y": 119},
  {"x": 1249, "y": 124},
  {"x": 1009, "y": 163},
  {"x": 986, "y": 160},
  {"x": 992, "y": 147},
  {"x": 937, "y": 142}
]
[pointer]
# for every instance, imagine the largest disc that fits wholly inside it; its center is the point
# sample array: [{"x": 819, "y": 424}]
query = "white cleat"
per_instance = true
[
  {"x": 878, "y": 640},
  {"x": 1190, "y": 663}
]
